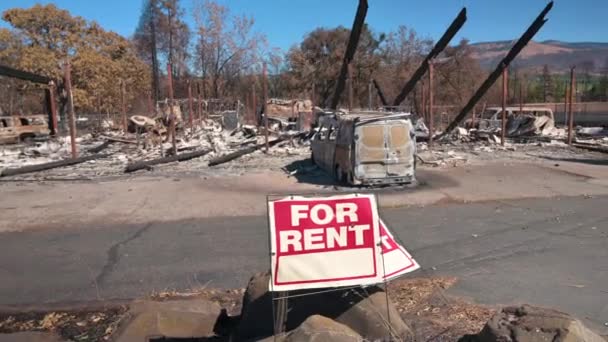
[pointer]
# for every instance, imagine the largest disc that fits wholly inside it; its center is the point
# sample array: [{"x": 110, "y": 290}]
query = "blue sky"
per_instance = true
[{"x": 285, "y": 22}]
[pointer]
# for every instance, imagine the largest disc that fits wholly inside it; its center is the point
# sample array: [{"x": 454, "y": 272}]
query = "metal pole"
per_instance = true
[
  {"x": 123, "y": 106},
  {"x": 423, "y": 100},
  {"x": 255, "y": 107},
  {"x": 431, "y": 115},
  {"x": 503, "y": 126},
  {"x": 150, "y": 105},
  {"x": 521, "y": 96},
  {"x": 53, "y": 108},
  {"x": 369, "y": 96},
  {"x": 199, "y": 104},
  {"x": 190, "y": 106},
  {"x": 72, "y": 120},
  {"x": 566, "y": 95},
  {"x": 312, "y": 96},
  {"x": 570, "y": 112},
  {"x": 350, "y": 87},
  {"x": 265, "y": 90},
  {"x": 171, "y": 114}
]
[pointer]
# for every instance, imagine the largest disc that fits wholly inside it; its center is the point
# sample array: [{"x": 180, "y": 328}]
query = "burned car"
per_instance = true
[
  {"x": 367, "y": 148},
  {"x": 16, "y": 128},
  {"x": 491, "y": 118}
]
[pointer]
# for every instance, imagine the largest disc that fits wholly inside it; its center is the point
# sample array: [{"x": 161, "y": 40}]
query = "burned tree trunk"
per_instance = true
[
  {"x": 146, "y": 164},
  {"x": 51, "y": 165}
]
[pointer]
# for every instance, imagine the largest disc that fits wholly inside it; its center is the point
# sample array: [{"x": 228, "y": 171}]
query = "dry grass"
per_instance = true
[
  {"x": 431, "y": 314},
  {"x": 76, "y": 326},
  {"x": 421, "y": 302}
]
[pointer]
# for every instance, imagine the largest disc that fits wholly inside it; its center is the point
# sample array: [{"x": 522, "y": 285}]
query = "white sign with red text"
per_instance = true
[
  {"x": 397, "y": 261},
  {"x": 324, "y": 242}
]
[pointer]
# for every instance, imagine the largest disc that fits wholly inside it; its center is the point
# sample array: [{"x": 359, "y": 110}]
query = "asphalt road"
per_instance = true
[{"x": 550, "y": 252}]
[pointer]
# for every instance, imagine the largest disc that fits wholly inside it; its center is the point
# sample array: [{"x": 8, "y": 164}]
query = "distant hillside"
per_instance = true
[{"x": 558, "y": 55}]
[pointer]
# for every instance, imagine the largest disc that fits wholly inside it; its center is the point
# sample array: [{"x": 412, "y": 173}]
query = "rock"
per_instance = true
[
  {"x": 318, "y": 328},
  {"x": 533, "y": 324},
  {"x": 362, "y": 310},
  {"x": 178, "y": 318},
  {"x": 30, "y": 336}
]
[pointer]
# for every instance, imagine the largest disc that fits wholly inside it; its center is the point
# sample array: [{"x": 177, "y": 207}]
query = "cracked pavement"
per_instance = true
[{"x": 549, "y": 252}]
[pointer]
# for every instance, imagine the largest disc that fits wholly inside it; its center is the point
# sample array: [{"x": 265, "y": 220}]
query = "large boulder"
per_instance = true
[
  {"x": 533, "y": 324},
  {"x": 364, "y": 310},
  {"x": 317, "y": 328},
  {"x": 176, "y": 318}
]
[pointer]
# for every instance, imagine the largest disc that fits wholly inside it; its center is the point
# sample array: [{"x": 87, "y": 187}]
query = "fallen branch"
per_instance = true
[
  {"x": 237, "y": 154},
  {"x": 146, "y": 164},
  {"x": 51, "y": 165},
  {"x": 100, "y": 147},
  {"x": 591, "y": 147},
  {"x": 120, "y": 140}
]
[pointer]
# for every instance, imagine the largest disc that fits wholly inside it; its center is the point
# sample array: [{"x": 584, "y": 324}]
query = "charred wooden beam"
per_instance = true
[
  {"x": 146, "y": 164},
  {"x": 51, "y": 165},
  {"x": 380, "y": 93},
  {"x": 440, "y": 46},
  {"x": 248, "y": 150},
  {"x": 100, "y": 147},
  {"x": 23, "y": 75},
  {"x": 515, "y": 50},
  {"x": 353, "y": 41}
]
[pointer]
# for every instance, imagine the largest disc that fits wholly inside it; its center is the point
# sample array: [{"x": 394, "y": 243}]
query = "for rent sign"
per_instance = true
[
  {"x": 397, "y": 261},
  {"x": 324, "y": 242}
]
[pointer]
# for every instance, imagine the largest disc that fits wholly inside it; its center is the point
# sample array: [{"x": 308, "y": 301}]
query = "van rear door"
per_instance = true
[{"x": 384, "y": 149}]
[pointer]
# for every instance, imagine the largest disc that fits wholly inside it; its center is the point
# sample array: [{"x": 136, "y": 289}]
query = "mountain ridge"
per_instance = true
[{"x": 558, "y": 55}]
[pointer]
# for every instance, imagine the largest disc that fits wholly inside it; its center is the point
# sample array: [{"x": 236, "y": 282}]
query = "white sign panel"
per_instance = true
[
  {"x": 397, "y": 261},
  {"x": 324, "y": 242}
]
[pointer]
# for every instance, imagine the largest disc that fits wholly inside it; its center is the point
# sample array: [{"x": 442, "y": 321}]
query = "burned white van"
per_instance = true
[{"x": 366, "y": 148}]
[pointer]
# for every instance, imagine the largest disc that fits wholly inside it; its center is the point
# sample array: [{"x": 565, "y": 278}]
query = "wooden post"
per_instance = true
[
  {"x": 72, "y": 119},
  {"x": 190, "y": 108},
  {"x": 199, "y": 104},
  {"x": 566, "y": 96},
  {"x": 265, "y": 90},
  {"x": 504, "y": 106},
  {"x": 570, "y": 111},
  {"x": 53, "y": 108},
  {"x": 172, "y": 128},
  {"x": 123, "y": 105},
  {"x": 431, "y": 114},
  {"x": 255, "y": 107},
  {"x": 350, "y": 87}
]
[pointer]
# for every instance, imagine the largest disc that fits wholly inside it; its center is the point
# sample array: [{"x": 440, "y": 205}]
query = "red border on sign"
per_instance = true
[
  {"x": 412, "y": 264},
  {"x": 276, "y": 274}
]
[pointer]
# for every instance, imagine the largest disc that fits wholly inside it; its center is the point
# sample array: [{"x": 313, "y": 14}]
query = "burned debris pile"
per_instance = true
[{"x": 147, "y": 144}]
